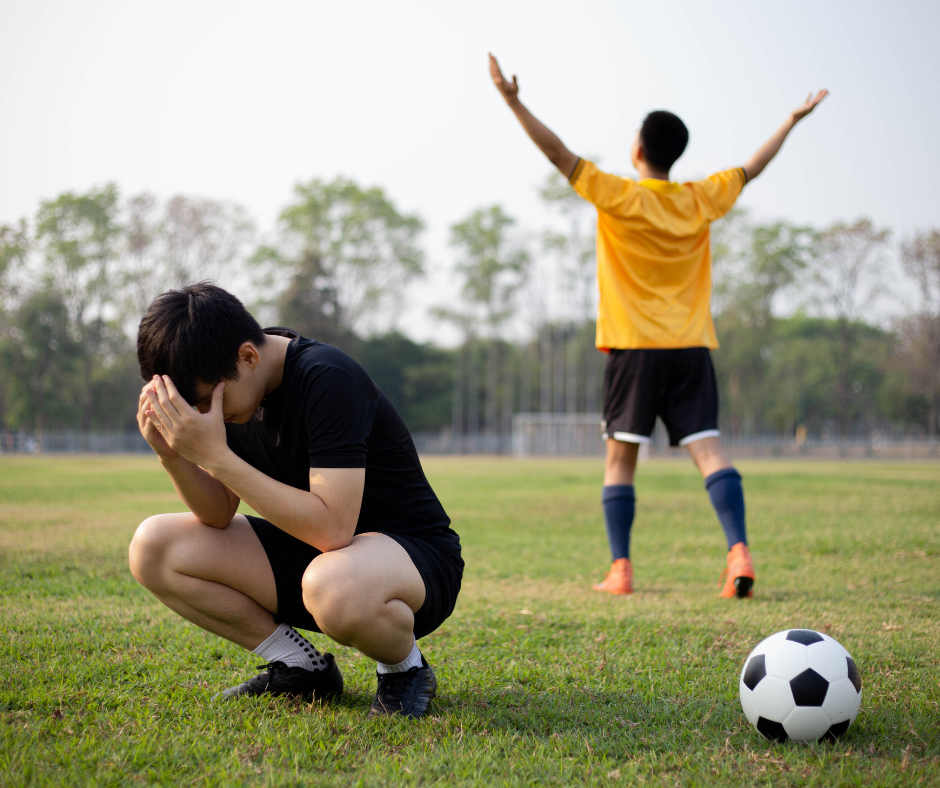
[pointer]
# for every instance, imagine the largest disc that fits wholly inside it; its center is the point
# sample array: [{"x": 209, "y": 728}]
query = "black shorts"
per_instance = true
[
  {"x": 438, "y": 562},
  {"x": 678, "y": 385}
]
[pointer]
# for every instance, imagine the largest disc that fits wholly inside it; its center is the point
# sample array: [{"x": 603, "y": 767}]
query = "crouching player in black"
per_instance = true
[{"x": 351, "y": 540}]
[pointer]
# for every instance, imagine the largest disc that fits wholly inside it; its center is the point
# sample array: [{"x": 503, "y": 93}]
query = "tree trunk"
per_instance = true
[
  {"x": 545, "y": 370},
  {"x": 558, "y": 363},
  {"x": 456, "y": 405},
  {"x": 473, "y": 393},
  {"x": 842, "y": 391}
]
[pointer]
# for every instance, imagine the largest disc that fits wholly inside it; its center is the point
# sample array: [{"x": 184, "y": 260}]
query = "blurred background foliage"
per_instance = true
[{"x": 801, "y": 347}]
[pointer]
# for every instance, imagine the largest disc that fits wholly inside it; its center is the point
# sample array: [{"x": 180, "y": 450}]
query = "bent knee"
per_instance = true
[
  {"x": 147, "y": 552},
  {"x": 334, "y": 599}
]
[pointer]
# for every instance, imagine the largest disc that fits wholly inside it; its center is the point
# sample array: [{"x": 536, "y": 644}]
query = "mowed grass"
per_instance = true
[{"x": 541, "y": 680}]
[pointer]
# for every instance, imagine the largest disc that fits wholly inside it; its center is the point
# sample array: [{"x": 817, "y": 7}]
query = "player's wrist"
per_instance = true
[
  {"x": 218, "y": 463},
  {"x": 168, "y": 456}
]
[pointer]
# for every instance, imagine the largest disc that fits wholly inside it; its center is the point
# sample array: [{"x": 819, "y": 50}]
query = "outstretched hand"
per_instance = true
[
  {"x": 199, "y": 437},
  {"x": 510, "y": 90},
  {"x": 809, "y": 105}
]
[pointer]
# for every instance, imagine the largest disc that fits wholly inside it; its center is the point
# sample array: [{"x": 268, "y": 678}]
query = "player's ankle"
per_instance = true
[
  {"x": 413, "y": 660},
  {"x": 287, "y": 645}
]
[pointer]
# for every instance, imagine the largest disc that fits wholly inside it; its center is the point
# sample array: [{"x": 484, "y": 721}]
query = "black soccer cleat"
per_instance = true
[
  {"x": 279, "y": 679},
  {"x": 408, "y": 693}
]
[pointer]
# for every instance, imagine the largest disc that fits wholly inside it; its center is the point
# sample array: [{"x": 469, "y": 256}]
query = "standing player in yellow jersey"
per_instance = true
[{"x": 654, "y": 316}]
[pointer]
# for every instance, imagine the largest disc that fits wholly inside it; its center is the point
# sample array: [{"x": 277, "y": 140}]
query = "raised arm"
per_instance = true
[
  {"x": 756, "y": 164},
  {"x": 547, "y": 141}
]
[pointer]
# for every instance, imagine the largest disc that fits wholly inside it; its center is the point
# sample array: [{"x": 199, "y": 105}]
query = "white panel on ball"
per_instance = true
[
  {"x": 828, "y": 659},
  {"x": 748, "y": 704},
  {"x": 806, "y": 723},
  {"x": 842, "y": 701},
  {"x": 786, "y": 660},
  {"x": 773, "y": 698}
]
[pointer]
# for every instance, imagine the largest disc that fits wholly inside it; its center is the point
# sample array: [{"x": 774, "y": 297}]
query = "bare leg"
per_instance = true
[
  {"x": 218, "y": 578},
  {"x": 621, "y": 462},
  {"x": 365, "y": 595},
  {"x": 708, "y": 456}
]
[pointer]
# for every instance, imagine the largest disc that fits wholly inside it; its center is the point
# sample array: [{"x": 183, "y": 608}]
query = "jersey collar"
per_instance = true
[{"x": 660, "y": 187}]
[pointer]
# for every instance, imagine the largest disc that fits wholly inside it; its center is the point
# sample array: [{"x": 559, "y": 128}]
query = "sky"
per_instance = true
[{"x": 239, "y": 101}]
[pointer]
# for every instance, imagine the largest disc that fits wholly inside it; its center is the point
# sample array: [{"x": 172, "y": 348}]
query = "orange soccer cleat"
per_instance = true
[
  {"x": 738, "y": 576},
  {"x": 619, "y": 579}
]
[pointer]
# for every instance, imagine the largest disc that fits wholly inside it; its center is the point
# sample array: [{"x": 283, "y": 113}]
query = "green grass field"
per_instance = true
[{"x": 542, "y": 681}]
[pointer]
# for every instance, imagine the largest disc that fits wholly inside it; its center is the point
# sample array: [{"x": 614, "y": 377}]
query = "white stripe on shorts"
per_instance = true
[
  {"x": 629, "y": 437},
  {"x": 697, "y": 436}
]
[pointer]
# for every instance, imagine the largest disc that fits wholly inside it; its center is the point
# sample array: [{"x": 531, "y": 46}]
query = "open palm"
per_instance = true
[
  {"x": 509, "y": 89},
  {"x": 809, "y": 105}
]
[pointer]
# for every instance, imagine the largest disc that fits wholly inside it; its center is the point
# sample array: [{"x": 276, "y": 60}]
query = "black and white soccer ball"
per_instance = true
[{"x": 800, "y": 685}]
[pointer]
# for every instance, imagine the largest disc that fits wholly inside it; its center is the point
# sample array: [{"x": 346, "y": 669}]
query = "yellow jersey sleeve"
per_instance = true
[
  {"x": 607, "y": 192},
  {"x": 718, "y": 193}
]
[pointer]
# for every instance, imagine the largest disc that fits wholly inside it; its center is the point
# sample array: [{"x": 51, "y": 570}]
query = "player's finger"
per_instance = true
[
  {"x": 215, "y": 407},
  {"x": 160, "y": 416},
  {"x": 163, "y": 395},
  {"x": 174, "y": 395}
]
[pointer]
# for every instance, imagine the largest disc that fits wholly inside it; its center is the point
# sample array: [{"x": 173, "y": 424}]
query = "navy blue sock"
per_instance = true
[
  {"x": 724, "y": 488},
  {"x": 619, "y": 507}
]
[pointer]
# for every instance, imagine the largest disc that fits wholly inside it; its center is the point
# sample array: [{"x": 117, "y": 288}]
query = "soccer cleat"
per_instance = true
[
  {"x": 408, "y": 693},
  {"x": 279, "y": 679},
  {"x": 619, "y": 578},
  {"x": 738, "y": 576}
]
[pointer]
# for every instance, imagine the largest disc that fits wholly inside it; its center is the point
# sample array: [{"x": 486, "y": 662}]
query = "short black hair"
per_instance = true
[
  {"x": 663, "y": 137},
  {"x": 193, "y": 335}
]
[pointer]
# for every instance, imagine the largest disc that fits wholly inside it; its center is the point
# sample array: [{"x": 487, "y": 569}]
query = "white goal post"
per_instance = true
[{"x": 557, "y": 435}]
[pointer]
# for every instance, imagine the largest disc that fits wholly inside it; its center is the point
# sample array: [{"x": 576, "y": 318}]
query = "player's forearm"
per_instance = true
[
  {"x": 300, "y": 513},
  {"x": 756, "y": 164},
  {"x": 204, "y": 496},
  {"x": 547, "y": 141}
]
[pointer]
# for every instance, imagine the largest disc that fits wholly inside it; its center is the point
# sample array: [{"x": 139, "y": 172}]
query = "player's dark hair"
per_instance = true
[
  {"x": 193, "y": 335},
  {"x": 663, "y": 137}
]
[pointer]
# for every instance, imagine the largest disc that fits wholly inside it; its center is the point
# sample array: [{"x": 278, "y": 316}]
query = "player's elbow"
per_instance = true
[{"x": 336, "y": 538}]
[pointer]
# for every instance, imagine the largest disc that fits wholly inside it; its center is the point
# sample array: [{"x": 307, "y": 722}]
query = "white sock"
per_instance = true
[
  {"x": 290, "y": 647},
  {"x": 413, "y": 660}
]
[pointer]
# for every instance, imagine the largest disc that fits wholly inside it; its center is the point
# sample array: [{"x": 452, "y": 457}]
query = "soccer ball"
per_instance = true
[{"x": 800, "y": 685}]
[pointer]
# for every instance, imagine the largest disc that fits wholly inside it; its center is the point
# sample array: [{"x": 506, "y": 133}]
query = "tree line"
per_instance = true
[{"x": 801, "y": 349}]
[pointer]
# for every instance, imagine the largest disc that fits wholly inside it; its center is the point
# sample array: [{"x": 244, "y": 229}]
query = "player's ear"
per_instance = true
[{"x": 248, "y": 354}]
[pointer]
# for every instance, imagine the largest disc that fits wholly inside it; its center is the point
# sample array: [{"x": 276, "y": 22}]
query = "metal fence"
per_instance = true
[
  {"x": 533, "y": 435},
  {"x": 72, "y": 442}
]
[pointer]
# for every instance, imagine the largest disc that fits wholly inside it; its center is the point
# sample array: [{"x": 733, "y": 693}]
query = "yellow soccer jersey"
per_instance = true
[{"x": 654, "y": 256}]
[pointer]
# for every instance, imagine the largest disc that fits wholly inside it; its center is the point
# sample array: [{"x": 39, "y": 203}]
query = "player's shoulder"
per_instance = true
[
  {"x": 318, "y": 365},
  {"x": 732, "y": 176}
]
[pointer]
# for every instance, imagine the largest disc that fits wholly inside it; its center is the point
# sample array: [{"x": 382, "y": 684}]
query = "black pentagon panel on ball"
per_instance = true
[
  {"x": 809, "y": 688},
  {"x": 835, "y": 730},
  {"x": 854, "y": 676},
  {"x": 755, "y": 671},
  {"x": 805, "y": 636},
  {"x": 771, "y": 730}
]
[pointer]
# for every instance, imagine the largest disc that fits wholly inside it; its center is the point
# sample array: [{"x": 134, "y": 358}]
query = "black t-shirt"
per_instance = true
[{"x": 328, "y": 413}]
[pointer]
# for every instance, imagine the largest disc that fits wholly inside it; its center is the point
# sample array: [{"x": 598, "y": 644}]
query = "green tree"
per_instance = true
[
  {"x": 920, "y": 332},
  {"x": 575, "y": 250},
  {"x": 42, "y": 356},
  {"x": 493, "y": 269},
  {"x": 80, "y": 236},
  {"x": 342, "y": 260},
  {"x": 15, "y": 250},
  {"x": 759, "y": 264},
  {"x": 849, "y": 275},
  {"x": 415, "y": 377}
]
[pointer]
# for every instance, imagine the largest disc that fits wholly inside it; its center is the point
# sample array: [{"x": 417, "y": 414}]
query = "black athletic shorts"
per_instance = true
[
  {"x": 438, "y": 563},
  {"x": 678, "y": 385}
]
